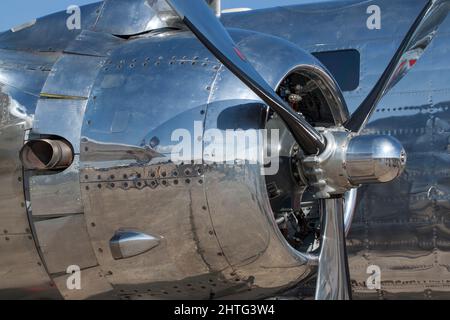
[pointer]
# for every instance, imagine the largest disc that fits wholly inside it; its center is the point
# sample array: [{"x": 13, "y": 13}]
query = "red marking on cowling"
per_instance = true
[{"x": 240, "y": 54}]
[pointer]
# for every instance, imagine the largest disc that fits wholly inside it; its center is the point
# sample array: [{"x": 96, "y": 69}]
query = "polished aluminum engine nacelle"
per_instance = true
[
  {"x": 215, "y": 220},
  {"x": 193, "y": 229}
]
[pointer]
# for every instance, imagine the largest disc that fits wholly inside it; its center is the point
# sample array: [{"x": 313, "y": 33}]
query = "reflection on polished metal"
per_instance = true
[
  {"x": 215, "y": 37},
  {"x": 46, "y": 154},
  {"x": 134, "y": 17},
  {"x": 192, "y": 205},
  {"x": 218, "y": 220},
  {"x": 216, "y": 6},
  {"x": 374, "y": 159},
  {"x": 420, "y": 35},
  {"x": 332, "y": 281},
  {"x": 350, "y": 198},
  {"x": 129, "y": 243}
]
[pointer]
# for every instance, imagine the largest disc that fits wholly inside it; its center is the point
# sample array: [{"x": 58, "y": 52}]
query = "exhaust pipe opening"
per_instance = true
[{"x": 46, "y": 154}]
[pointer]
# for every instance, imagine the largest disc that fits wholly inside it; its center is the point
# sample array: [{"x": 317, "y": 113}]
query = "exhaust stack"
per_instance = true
[{"x": 46, "y": 154}]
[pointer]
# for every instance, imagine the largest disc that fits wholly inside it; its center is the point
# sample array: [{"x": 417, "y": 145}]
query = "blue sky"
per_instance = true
[{"x": 16, "y": 12}]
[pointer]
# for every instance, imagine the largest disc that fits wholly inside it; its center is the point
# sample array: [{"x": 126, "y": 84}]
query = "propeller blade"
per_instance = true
[
  {"x": 200, "y": 19},
  {"x": 418, "y": 38},
  {"x": 333, "y": 277}
]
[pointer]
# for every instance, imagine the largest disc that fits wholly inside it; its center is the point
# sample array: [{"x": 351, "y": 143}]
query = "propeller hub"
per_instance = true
[
  {"x": 374, "y": 159},
  {"x": 351, "y": 160}
]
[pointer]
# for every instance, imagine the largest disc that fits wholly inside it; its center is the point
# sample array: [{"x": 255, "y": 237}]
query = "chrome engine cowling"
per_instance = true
[
  {"x": 140, "y": 224},
  {"x": 218, "y": 229}
]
